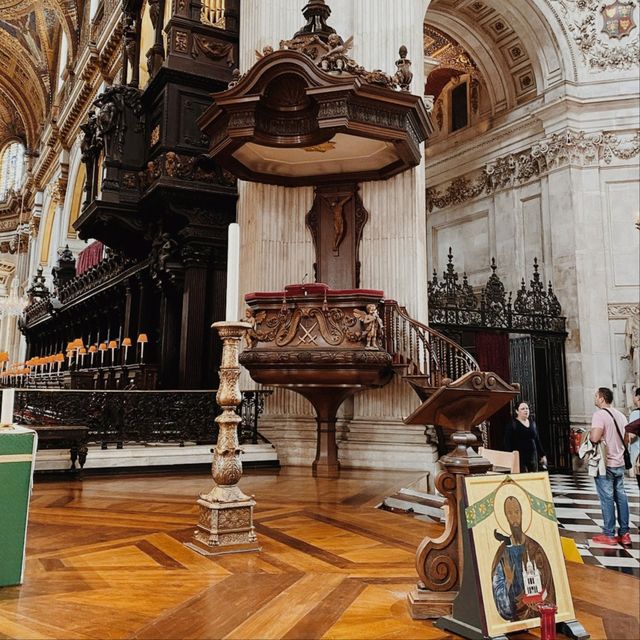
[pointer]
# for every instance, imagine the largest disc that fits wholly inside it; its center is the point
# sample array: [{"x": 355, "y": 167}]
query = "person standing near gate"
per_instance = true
[
  {"x": 633, "y": 428},
  {"x": 608, "y": 425},
  {"x": 521, "y": 435}
]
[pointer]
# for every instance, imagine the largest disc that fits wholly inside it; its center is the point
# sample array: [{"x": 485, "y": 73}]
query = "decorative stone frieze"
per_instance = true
[
  {"x": 568, "y": 148},
  {"x": 586, "y": 20},
  {"x": 622, "y": 311}
]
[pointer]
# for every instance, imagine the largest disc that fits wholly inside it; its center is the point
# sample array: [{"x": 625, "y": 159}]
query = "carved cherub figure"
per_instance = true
[
  {"x": 171, "y": 164},
  {"x": 265, "y": 52},
  {"x": 373, "y": 330},
  {"x": 235, "y": 78},
  {"x": 336, "y": 59},
  {"x": 251, "y": 336}
]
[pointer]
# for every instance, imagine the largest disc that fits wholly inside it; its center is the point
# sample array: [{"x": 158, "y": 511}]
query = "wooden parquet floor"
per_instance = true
[{"x": 106, "y": 559}]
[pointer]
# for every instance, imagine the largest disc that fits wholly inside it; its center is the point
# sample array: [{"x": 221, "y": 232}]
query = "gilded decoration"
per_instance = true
[
  {"x": 588, "y": 19},
  {"x": 448, "y": 52},
  {"x": 321, "y": 148},
  {"x": 154, "y": 138},
  {"x": 570, "y": 147}
]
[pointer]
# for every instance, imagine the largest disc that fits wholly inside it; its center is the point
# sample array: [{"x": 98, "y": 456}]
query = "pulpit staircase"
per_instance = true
[{"x": 423, "y": 357}]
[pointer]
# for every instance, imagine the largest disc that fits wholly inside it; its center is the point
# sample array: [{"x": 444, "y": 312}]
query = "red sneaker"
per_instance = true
[
  {"x": 625, "y": 540},
  {"x": 602, "y": 539}
]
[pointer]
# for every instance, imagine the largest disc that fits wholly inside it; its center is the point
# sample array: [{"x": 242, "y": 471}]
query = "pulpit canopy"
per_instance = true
[{"x": 308, "y": 114}]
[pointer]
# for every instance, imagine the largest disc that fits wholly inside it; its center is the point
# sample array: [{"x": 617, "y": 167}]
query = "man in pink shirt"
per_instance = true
[{"x": 608, "y": 425}]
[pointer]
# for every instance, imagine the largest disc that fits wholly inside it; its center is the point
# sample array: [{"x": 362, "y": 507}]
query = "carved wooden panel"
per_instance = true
[{"x": 336, "y": 221}]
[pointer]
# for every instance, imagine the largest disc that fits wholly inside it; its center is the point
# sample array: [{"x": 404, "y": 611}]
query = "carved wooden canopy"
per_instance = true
[{"x": 289, "y": 122}]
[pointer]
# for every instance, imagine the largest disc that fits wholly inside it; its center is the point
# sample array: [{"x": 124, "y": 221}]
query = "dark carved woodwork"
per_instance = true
[
  {"x": 336, "y": 221},
  {"x": 458, "y": 405},
  {"x": 65, "y": 270},
  {"x": 316, "y": 13},
  {"x": 286, "y": 101},
  {"x": 313, "y": 340},
  {"x": 159, "y": 205},
  {"x": 38, "y": 289}
]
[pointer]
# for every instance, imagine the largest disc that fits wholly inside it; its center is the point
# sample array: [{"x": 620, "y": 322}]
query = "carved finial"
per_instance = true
[
  {"x": 316, "y": 13},
  {"x": 450, "y": 256},
  {"x": 536, "y": 275},
  {"x": 493, "y": 265}
]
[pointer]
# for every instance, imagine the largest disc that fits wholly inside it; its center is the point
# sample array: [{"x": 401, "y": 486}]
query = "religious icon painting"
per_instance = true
[{"x": 516, "y": 549}]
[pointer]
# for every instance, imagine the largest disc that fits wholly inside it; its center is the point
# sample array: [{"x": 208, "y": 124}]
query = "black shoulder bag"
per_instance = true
[{"x": 626, "y": 455}]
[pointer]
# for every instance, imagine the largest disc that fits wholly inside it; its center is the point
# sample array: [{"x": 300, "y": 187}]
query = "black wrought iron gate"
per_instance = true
[{"x": 527, "y": 347}]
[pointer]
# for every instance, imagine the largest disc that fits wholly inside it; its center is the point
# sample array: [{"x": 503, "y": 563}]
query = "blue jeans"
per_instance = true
[{"x": 611, "y": 491}]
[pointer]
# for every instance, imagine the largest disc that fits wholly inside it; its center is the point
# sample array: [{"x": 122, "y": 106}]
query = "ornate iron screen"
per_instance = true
[
  {"x": 453, "y": 304},
  {"x": 534, "y": 349}
]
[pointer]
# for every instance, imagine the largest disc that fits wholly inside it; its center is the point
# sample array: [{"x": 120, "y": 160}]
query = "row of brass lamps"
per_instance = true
[{"x": 76, "y": 351}]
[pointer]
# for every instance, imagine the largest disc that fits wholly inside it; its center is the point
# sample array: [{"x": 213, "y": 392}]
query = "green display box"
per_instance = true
[{"x": 17, "y": 459}]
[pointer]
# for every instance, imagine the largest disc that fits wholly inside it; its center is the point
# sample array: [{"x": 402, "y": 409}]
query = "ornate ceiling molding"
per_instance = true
[
  {"x": 567, "y": 148},
  {"x": 447, "y": 51},
  {"x": 585, "y": 21}
]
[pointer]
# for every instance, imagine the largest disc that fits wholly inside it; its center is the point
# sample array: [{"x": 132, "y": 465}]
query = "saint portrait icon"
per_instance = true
[{"x": 521, "y": 574}]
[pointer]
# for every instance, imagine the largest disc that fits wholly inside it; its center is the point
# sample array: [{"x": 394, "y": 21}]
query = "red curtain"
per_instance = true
[
  {"x": 492, "y": 354},
  {"x": 89, "y": 257}
]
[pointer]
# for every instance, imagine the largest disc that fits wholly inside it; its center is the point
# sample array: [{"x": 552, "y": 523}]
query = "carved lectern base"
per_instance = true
[
  {"x": 464, "y": 630},
  {"x": 425, "y": 604},
  {"x": 224, "y": 527}
]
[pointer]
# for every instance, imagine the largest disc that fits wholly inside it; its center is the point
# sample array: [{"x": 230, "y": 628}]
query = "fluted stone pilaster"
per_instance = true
[{"x": 276, "y": 248}]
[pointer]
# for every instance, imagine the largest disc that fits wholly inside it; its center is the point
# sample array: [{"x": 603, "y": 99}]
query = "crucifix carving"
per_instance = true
[{"x": 336, "y": 221}]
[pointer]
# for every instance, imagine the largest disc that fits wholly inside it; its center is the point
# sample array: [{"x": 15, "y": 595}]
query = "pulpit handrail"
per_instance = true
[{"x": 423, "y": 351}]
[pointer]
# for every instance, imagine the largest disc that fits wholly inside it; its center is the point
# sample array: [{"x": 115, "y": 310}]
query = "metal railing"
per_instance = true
[
  {"x": 423, "y": 351},
  {"x": 121, "y": 417}
]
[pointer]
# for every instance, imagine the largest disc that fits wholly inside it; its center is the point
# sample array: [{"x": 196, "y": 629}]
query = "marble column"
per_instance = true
[{"x": 276, "y": 248}]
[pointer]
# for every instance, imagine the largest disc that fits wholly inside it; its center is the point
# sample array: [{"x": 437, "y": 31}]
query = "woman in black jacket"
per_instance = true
[{"x": 521, "y": 435}]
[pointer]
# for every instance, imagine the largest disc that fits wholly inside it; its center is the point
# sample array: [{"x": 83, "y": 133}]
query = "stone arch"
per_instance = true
[
  {"x": 544, "y": 35},
  {"x": 494, "y": 73},
  {"x": 22, "y": 87},
  {"x": 522, "y": 49}
]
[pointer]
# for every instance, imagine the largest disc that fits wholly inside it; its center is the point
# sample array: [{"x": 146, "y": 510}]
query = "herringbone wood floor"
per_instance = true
[{"x": 105, "y": 559}]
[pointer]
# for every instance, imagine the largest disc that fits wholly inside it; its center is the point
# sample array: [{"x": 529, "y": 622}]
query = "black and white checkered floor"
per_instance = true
[{"x": 580, "y": 517}]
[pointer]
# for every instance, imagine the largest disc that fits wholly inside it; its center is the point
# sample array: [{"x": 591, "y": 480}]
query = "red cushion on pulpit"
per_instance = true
[{"x": 312, "y": 289}]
